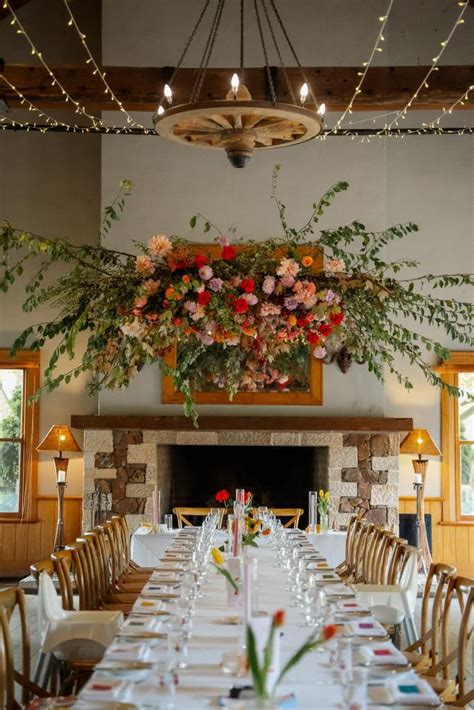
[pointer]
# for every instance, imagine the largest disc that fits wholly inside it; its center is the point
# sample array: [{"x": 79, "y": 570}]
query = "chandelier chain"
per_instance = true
[
  {"x": 242, "y": 39},
  {"x": 293, "y": 51},
  {"x": 203, "y": 56},
  {"x": 189, "y": 42},
  {"x": 278, "y": 51},
  {"x": 265, "y": 54},
  {"x": 209, "y": 49}
]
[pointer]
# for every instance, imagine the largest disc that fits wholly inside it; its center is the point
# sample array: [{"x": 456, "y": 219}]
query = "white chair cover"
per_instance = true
[{"x": 72, "y": 634}]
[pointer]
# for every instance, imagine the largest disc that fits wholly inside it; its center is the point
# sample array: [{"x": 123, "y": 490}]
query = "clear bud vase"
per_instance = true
[
  {"x": 323, "y": 521},
  {"x": 312, "y": 511}
]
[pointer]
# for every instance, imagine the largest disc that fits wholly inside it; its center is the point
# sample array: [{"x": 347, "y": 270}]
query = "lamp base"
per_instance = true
[
  {"x": 60, "y": 465},
  {"x": 420, "y": 467}
]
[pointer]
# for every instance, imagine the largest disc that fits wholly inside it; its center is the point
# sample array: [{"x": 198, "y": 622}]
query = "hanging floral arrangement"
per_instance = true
[{"x": 249, "y": 310}]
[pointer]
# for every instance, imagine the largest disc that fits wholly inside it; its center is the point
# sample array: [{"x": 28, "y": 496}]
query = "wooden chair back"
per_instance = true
[
  {"x": 124, "y": 532},
  {"x": 182, "y": 514},
  {"x": 10, "y": 600},
  {"x": 360, "y": 553},
  {"x": 294, "y": 515},
  {"x": 462, "y": 589},
  {"x": 396, "y": 559},
  {"x": 67, "y": 577}
]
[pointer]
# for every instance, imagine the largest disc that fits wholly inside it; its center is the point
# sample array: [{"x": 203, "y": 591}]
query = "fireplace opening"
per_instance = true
[{"x": 278, "y": 476}]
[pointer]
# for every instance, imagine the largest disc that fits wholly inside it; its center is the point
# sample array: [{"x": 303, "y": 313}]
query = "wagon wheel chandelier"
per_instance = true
[{"x": 237, "y": 123}]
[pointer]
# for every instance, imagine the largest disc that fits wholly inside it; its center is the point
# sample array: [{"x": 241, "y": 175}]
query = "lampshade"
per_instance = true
[
  {"x": 419, "y": 441},
  {"x": 59, "y": 438}
]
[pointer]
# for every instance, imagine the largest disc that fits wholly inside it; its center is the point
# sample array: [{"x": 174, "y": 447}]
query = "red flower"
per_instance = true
[
  {"x": 312, "y": 337},
  {"x": 279, "y": 618},
  {"x": 177, "y": 322},
  {"x": 203, "y": 298},
  {"x": 222, "y": 496},
  {"x": 328, "y": 632},
  {"x": 200, "y": 260},
  {"x": 247, "y": 496},
  {"x": 337, "y": 318},
  {"x": 247, "y": 285},
  {"x": 240, "y": 305},
  {"x": 325, "y": 329},
  {"x": 266, "y": 532},
  {"x": 302, "y": 321},
  {"x": 228, "y": 252}
]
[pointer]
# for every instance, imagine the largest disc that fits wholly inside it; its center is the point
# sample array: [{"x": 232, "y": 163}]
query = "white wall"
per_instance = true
[
  {"x": 428, "y": 179},
  {"x": 49, "y": 184}
]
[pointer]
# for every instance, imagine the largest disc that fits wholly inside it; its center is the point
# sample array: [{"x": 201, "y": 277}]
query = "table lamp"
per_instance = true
[
  {"x": 420, "y": 442},
  {"x": 59, "y": 438}
]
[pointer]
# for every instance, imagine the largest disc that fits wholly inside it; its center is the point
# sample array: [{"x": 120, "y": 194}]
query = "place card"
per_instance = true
[
  {"x": 383, "y": 654},
  {"x": 351, "y": 607},
  {"x": 367, "y": 628},
  {"x": 147, "y": 606},
  {"x": 409, "y": 689},
  {"x": 103, "y": 687}
]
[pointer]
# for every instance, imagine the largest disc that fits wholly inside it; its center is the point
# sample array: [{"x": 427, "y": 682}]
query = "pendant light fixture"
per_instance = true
[{"x": 236, "y": 122}]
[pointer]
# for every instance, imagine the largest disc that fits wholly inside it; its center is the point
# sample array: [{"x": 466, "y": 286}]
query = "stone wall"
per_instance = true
[{"x": 363, "y": 468}]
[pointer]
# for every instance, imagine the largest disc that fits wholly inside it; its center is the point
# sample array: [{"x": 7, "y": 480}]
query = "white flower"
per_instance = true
[
  {"x": 160, "y": 245},
  {"x": 334, "y": 265}
]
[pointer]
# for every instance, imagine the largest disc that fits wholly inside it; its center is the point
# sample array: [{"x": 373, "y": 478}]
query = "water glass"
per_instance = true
[
  {"x": 168, "y": 523},
  {"x": 177, "y": 648},
  {"x": 354, "y": 689},
  {"x": 165, "y": 684}
]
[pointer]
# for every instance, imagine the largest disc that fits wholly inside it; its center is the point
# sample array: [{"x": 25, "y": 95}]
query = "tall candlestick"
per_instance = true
[
  {"x": 156, "y": 506},
  {"x": 247, "y": 590},
  {"x": 312, "y": 505}
]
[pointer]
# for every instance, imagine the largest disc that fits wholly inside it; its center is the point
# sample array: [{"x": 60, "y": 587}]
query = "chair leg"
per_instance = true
[
  {"x": 39, "y": 668},
  {"x": 48, "y": 673}
]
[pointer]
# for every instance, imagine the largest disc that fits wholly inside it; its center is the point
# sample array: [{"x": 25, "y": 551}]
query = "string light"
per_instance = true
[
  {"x": 31, "y": 106},
  {"x": 72, "y": 22},
  {"x": 304, "y": 93},
  {"x": 96, "y": 122},
  {"x": 446, "y": 111},
  {"x": 366, "y": 66},
  {"x": 434, "y": 67}
]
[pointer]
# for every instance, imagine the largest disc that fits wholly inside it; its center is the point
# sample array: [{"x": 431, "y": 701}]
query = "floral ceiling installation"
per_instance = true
[{"x": 253, "y": 306}]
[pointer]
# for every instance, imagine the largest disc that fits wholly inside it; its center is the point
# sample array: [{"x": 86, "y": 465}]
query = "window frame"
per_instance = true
[
  {"x": 29, "y": 362},
  {"x": 458, "y": 362}
]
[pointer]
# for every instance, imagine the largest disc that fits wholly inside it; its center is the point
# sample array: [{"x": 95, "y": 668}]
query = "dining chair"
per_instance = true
[
  {"x": 182, "y": 513},
  {"x": 294, "y": 515},
  {"x": 448, "y": 675},
  {"x": 11, "y": 600},
  {"x": 423, "y": 652},
  {"x": 346, "y": 568},
  {"x": 131, "y": 567}
]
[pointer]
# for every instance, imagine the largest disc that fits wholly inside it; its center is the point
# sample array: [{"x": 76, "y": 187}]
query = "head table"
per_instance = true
[{"x": 314, "y": 681}]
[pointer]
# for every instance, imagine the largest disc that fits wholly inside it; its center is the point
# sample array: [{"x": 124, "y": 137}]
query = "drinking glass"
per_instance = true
[
  {"x": 177, "y": 646},
  {"x": 354, "y": 689},
  {"x": 168, "y": 523},
  {"x": 165, "y": 685}
]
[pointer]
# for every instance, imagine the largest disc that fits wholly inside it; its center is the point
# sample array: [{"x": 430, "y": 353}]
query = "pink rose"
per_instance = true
[
  {"x": 287, "y": 280},
  {"x": 334, "y": 265},
  {"x": 206, "y": 273},
  {"x": 251, "y": 298},
  {"x": 216, "y": 284},
  {"x": 319, "y": 352},
  {"x": 268, "y": 285}
]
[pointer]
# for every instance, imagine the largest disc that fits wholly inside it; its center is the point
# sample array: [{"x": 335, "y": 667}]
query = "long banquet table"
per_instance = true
[{"x": 314, "y": 681}]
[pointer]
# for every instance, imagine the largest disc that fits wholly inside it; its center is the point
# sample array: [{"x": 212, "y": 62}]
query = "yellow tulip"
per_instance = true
[
  {"x": 321, "y": 493},
  {"x": 217, "y": 556},
  {"x": 327, "y": 495}
]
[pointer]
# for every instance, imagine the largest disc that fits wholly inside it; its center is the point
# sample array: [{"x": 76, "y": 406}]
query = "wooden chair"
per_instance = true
[
  {"x": 424, "y": 652},
  {"x": 451, "y": 687},
  {"x": 294, "y": 515},
  {"x": 131, "y": 567},
  {"x": 10, "y": 600},
  {"x": 181, "y": 514},
  {"x": 346, "y": 568}
]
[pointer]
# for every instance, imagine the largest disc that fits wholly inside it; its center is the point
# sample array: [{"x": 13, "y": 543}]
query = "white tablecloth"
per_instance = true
[
  {"x": 147, "y": 548},
  {"x": 332, "y": 545},
  {"x": 314, "y": 680}
]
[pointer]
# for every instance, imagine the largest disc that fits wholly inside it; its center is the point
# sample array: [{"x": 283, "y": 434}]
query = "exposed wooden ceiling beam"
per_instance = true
[{"x": 139, "y": 88}]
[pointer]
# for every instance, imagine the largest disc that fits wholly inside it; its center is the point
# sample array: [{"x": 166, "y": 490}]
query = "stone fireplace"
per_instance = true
[{"x": 128, "y": 456}]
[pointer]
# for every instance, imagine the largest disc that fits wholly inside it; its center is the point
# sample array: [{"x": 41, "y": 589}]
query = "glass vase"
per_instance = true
[
  {"x": 323, "y": 522},
  {"x": 262, "y": 704}
]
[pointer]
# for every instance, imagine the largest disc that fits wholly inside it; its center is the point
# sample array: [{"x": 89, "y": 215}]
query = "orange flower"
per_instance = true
[
  {"x": 328, "y": 632},
  {"x": 307, "y": 261},
  {"x": 169, "y": 293},
  {"x": 292, "y": 320},
  {"x": 279, "y": 618},
  {"x": 185, "y": 278},
  {"x": 266, "y": 532},
  {"x": 178, "y": 296}
]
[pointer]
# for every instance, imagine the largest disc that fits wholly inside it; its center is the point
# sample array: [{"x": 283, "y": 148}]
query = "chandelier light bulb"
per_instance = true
[
  {"x": 235, "y": 83},
  {"x": 304, "y": 93},
  {"x": 168, "y": 93},
  {"x": 160, "y": 110}
]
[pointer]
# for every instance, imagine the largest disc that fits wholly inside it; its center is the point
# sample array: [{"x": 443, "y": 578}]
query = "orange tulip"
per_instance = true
[
  {"x": 279, "y": 618},
  {"x": 329, "y": 631}
]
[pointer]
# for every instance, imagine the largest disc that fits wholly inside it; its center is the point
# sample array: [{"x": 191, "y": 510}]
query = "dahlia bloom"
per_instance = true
[
  {"x": 160, "y": 245},
  {"x": 144, "y": 265}
]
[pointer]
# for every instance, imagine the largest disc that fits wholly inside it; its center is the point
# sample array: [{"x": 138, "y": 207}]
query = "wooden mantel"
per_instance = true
[{"x": 177, "y": 423}]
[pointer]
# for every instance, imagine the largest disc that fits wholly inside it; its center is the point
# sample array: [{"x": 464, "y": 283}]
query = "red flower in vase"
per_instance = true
[
  {"x": 203, "y": 298},
  {"x": 228, "y": 252},
  {"x": 337, "y": 318},
  {"x": 222, "y": 496},
  {"x": 247, "y": 285},
  {"x": 240, "y": 305},
  {"x": 200, "y": 260},
  {"x": 247, "y": 497},
  {"x": 325, "y": 329}
]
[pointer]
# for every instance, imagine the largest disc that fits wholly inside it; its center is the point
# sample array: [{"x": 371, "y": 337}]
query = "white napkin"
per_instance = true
[
  {"x": 350, "y": 607},
  {"x": 125, "y": 651},
  {"x": 147, "y": 606},
  {"x": 409, "y": 689},
  {"x": 383, "y": 654},
  {"x": 340, "y": 590},
  {"x": 327, "y": 576},
  {"x": 367, "y": 627},
  {"x": 104, "y": 687},
  {"x": 164, "y": 576}
]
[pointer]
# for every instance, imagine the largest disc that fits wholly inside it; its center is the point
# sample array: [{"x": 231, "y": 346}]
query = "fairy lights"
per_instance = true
[
  {"x": 434, "y": 67},
  {"x": 15, "y": 22},
  {"x": 31, "y": 107},
  {"x": 72, "y": 22},
  {"x": 366, "y": 66},
  {"x": 447, "y": 111}
]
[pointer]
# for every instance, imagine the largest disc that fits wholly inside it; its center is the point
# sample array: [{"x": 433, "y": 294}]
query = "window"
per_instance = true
[
  {"x": 19, "y": 378},
  {"x": 457, "y": 415}
]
